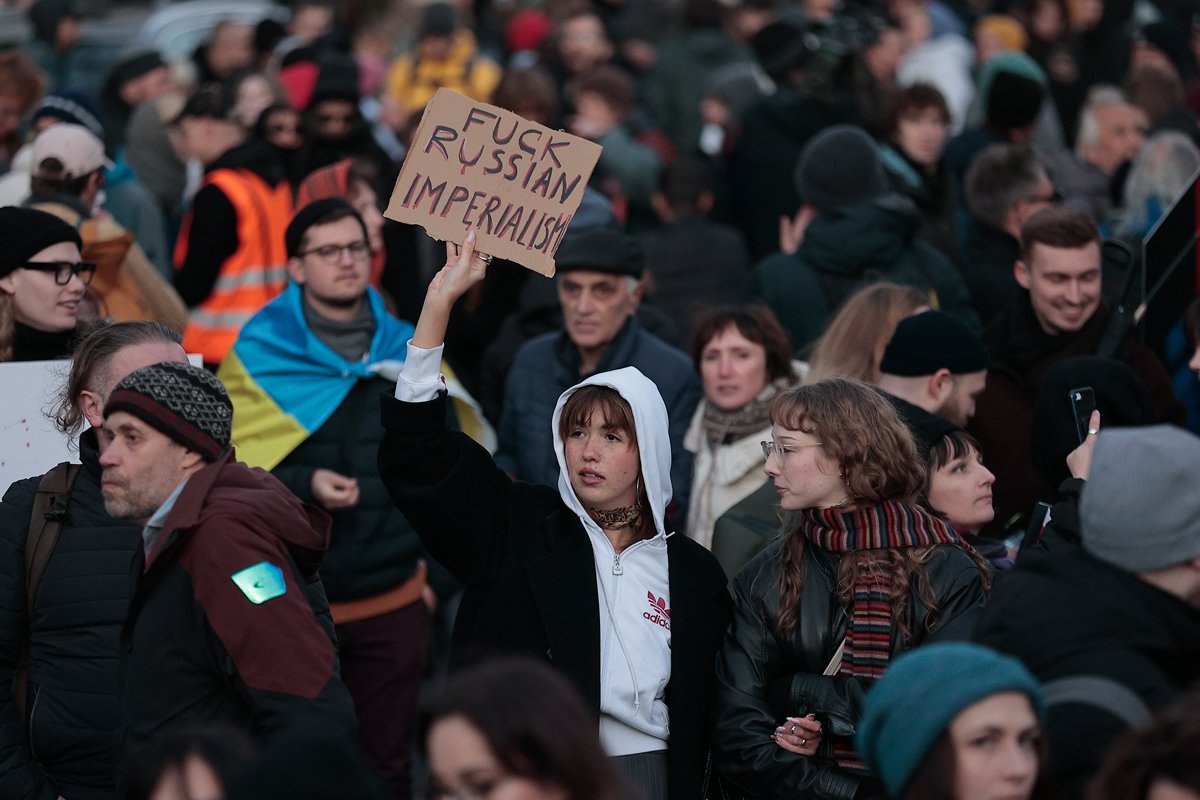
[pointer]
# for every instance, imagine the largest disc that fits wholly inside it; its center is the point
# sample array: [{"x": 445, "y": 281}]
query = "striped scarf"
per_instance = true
[{"x": 888, "y": 526}]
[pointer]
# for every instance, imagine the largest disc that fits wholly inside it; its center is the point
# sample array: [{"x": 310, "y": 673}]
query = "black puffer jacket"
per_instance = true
[
  {"x": 373, "y": 548},
  {"x": 763, "y": 677},
  {"x": 67, "y": 746}
]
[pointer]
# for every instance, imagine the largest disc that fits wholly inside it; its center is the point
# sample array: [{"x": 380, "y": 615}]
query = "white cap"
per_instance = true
[{"x": 77, "y": 148}]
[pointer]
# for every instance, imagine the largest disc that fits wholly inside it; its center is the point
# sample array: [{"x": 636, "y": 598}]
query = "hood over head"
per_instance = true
[{"x": 654, "y": 444}]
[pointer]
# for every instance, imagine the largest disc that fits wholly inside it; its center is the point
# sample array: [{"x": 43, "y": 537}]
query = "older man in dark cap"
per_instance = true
[
  {"x": 229, "y": 621},
  {"x": 859, "y": 233},
  {"x": 599, "y": 288}
]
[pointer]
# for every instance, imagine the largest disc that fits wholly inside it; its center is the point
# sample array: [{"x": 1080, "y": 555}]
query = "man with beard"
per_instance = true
[{"x": 228, "y": 621}]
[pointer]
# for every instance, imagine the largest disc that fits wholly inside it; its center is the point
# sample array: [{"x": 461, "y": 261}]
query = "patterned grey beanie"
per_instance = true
[{"x": 186, "y": 403}]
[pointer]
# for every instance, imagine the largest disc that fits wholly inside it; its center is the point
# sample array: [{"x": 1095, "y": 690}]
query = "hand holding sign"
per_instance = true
[
  {"x": 464, "y": 268},
  {"x": 477, "y": 166}
]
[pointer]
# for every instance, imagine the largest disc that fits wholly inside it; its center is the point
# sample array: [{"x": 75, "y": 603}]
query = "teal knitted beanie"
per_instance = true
[{"x": 921, "y": 693}]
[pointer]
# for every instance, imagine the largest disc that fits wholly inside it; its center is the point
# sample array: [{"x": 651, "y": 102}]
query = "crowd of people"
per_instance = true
[{"x": 827, "y": 465}]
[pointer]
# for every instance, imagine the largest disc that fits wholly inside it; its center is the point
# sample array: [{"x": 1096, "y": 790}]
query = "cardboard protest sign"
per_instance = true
[{"x": 473, "y": 165}]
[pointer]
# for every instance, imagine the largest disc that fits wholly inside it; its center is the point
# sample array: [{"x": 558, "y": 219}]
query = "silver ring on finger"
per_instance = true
[
  {"x": 485, "y": 258},
  {"x": 793, "y": 730},
  {"x": 804, "y": 742}
]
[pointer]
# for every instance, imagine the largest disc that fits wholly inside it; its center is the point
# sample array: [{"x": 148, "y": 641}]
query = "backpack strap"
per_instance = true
[
  {"x": 45, "y": 525},
  {"x": 1099, "y": 692}
]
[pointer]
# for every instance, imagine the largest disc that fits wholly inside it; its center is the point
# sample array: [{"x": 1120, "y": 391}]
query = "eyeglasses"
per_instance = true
[
  {"x": 331, "y": 254},
  {"x": 780, "y": 451},
  {"x": 63, "y": 270}
]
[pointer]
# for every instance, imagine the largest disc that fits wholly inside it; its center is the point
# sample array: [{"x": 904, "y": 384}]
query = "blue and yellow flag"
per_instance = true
[{"x": 285, "y": 382}]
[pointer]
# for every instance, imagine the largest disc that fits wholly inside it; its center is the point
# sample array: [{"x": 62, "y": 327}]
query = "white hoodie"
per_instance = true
[{"x": 633, "y": 587}]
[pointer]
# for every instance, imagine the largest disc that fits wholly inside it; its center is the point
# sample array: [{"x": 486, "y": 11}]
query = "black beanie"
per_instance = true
[
  {"x": 187, "y": 403},
  {"x": 1121, "y": 398},
  {"x": 337, "y": 78},
  {"x": 135, "y": 65},
  {"x": 840, "y": 167},
  {"x": 308, "y": 216},
  {"x": 933, "y": 340},
  {"x": 1013, "y": 101},
  {"x": 25, "y": 232},
  {"x": 437, "y": 20},
  {"x": 601, "y": 250}
]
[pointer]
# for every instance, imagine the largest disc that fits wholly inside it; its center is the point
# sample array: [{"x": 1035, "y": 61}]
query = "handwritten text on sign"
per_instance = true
[{"x": 473, "y": 165}]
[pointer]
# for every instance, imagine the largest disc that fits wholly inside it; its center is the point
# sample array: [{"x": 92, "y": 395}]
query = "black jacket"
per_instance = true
[
  {"x": 66, "y": 747},
  {"x": 988, "y": 269},
  {"x": 530, "y": 574},
  {"x": 373, "y": 548},
  {"x": 845, "y": 249},
  {"x": 213, "y": 236},
  {"x": 1067, "y": 614},
  {"x": 198, "y": 648},
  {"x": 763, "y": 677}
]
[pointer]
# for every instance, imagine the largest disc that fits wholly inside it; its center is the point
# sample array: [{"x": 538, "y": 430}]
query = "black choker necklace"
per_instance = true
[{"x": 612, "y": 519}]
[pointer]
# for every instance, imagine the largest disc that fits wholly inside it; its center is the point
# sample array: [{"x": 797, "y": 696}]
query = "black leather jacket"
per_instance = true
[{"x": 763, "y": 677}]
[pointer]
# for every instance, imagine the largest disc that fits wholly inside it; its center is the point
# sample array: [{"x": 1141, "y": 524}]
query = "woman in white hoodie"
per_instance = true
[{"x": 585, "y": 575}]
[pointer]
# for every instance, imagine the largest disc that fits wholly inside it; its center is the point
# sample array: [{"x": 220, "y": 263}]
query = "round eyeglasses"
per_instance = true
[
  {"x": 63, "y": 270},
  {"x": 780, "y": 451}
]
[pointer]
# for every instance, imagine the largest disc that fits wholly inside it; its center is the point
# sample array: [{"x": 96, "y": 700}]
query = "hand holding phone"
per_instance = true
[{"x": 1083, "y": 403}]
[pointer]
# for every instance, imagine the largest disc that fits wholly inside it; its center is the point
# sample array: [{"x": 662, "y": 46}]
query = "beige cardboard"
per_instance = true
[{"x": 475, "y": 165}]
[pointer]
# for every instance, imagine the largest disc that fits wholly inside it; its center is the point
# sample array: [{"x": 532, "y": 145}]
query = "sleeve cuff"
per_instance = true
[{"x": 421, "y": 378}]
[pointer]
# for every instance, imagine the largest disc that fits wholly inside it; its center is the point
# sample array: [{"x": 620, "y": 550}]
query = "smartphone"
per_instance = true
[{"x": 1083, "y": 403}]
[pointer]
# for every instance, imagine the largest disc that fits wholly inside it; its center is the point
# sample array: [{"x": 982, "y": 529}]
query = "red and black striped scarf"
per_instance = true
[{"x": 887, "y": 526}]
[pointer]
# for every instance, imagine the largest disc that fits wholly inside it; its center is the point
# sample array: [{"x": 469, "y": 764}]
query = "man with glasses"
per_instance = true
[
  {"x": 305, "y": 377},
  {"x": 229, "y": 258},
  {"x": 67, "y": 180}
]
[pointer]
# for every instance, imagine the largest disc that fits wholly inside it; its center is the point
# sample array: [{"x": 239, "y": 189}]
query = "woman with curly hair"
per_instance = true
[{"x": 860, "y": 574}]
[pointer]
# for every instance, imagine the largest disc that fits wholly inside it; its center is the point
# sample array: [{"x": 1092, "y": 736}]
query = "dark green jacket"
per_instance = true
[{"x": 845, "y": 249}]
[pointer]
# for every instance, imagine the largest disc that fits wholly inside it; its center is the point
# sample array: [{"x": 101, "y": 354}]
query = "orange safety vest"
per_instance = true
[{"x": 253, "y": 275}]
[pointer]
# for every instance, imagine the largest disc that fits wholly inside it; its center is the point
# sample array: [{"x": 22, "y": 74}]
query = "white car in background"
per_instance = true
[{"x": 175, "y": 30}]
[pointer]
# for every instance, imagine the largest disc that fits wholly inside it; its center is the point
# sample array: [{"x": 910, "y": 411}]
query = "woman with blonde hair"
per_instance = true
[
  {"x": 860, "y": 574},
  {"x": 854, "y": 342}
]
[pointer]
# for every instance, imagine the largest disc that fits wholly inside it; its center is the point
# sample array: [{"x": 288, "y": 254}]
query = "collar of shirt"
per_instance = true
[{"x": 154, "y": 525}]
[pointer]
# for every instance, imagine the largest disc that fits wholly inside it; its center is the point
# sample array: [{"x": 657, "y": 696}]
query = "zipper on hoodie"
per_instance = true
[{"x": 619, "y": 570}]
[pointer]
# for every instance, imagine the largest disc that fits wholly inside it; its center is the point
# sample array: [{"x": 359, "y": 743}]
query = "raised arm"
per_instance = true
[{"x": 463, "y": 269}]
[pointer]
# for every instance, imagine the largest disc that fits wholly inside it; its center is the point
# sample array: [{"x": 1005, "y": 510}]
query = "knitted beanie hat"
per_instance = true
[
  {"x": 920, "y": 695},
  {"x": 933, "y": 340},
  {"x": 71, "y": 106},
  {"x": 840, "y": 167},
  {"x": 25, "y": 232},
  {"x": 186, "y": 403}
]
